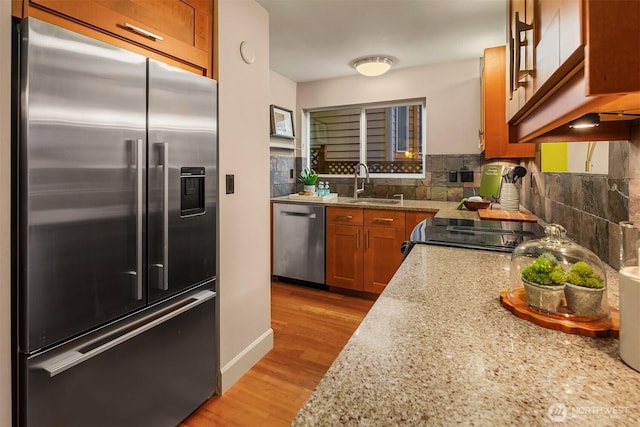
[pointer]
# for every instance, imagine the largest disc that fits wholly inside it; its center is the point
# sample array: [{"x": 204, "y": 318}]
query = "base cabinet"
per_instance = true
[
  {"x": 344, "y": 256},
  {"x": 363, "y": 247},
  {"x": 382, "y": 256}
]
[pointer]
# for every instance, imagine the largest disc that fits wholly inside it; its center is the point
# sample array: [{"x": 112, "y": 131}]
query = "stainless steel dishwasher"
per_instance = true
[{"x": 298, "y": 242}]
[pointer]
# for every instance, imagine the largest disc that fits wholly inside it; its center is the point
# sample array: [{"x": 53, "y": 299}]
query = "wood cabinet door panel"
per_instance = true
[
  {"x": 344, "y": 256},
  {"x": 382, "y": 256},
  {"x": 185, "y": 26},
  {"x": 345, "y": 216},
  {"x": 496, "y": 129},
  {"x": 384, "y": 218}
]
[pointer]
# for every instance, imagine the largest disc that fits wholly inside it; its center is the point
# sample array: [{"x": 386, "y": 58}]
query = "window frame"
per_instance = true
[{"x": 306, "y": 118}]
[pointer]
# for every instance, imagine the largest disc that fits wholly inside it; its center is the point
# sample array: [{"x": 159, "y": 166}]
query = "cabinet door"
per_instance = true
[
  {"x": 344, "y": 256},
  {"x": 382, "y": 256},
  {"x": 560, "y": 42},
  {"x": 179, "y": 28},
  {"x": 496, "y": 130}
]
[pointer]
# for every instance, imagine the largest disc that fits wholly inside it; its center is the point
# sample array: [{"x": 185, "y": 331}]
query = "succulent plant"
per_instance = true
[
  {"x": 581, "y": 274},
  {"x": 308, "y": 176},
  {"x": 545, "y": 270}
]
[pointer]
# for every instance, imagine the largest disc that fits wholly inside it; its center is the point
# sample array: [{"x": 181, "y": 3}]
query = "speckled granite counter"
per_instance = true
[
  {"x": 437, "y": 348},
  {"x": 443, "y": 209}
]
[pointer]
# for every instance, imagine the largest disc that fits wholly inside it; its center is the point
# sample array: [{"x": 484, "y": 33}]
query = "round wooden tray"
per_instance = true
[{"x": 607, "y": 327}]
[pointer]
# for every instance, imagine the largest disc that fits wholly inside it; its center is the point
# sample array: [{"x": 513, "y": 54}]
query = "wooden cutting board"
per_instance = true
[{"x": 500, "y": 215}]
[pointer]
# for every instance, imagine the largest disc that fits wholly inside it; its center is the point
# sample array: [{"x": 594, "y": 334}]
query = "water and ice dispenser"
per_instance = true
[{"x": 191, "y": 191}]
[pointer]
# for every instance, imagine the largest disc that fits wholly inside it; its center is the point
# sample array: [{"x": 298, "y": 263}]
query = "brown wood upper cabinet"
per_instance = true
[
  {"x": 180, "y": 32},
  {"x": 494, "y": 134},
  {"x": 569, "y": 58}
]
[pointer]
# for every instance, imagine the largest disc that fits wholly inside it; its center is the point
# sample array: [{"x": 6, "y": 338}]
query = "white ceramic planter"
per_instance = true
[
  {"x": 310, "y": 189},
  {"x": 583, "y": 301},
  {"x": 546, "y": 298}
]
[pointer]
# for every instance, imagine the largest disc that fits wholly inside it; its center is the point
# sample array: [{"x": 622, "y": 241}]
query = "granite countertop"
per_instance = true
[
  {"x": 443, "y": 209},
  {"x": 437, "y": 348}
]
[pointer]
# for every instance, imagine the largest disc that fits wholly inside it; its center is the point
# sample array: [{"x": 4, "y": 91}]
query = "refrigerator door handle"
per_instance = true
[
  {"x": 71, "y": 358},
  {"x": 164, "y": 277},
  {"x": 136, "y": 275}
]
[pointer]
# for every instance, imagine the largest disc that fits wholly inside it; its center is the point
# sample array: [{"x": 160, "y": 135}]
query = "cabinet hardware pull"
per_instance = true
[
  {"x": 141, "y": 31},
  {"x": 358, "y": 238},
  {"x": 344, "y": 217},
  {"x": 517, "y": 44},
  {"x": 366, "y": 239},
  {"x": 383, "y": 219}
]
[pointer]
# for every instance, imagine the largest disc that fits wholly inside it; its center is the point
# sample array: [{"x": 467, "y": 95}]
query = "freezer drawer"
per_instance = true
[
  {"x": 151, "y": 373},
  {"x": 299, "y": 241}
]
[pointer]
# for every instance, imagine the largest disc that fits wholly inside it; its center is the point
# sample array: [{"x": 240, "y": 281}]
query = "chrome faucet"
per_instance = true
[{"x": 357, "y": 190}]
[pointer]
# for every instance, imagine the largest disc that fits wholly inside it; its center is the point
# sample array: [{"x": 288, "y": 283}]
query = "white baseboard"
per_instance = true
[{"x": 239, "y": 365}]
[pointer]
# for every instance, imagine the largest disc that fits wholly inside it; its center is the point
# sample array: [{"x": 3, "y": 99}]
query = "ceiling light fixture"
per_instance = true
[
  {"x": 373, "y": 65},
  {"x": 587, "y": 121}
]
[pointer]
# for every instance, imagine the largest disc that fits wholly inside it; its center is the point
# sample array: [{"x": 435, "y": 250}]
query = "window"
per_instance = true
[{"x": 389, "y": 138}]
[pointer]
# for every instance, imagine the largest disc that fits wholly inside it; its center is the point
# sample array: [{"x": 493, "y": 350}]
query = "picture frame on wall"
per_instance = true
[{"x": 281, "y": 122}]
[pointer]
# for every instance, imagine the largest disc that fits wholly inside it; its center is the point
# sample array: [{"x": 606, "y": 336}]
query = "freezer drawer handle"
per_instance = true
[
  {"x": 139, "y": 30},
  {"x": 67, "y": 360},
  {"x": 306, "y": 215}
]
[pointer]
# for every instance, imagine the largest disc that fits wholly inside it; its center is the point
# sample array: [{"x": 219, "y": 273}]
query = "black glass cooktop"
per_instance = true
[{"x": 502, "y": 236}]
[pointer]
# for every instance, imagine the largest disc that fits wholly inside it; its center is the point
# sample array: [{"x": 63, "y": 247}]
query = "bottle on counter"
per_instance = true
[{"x": 320, "y": 189}]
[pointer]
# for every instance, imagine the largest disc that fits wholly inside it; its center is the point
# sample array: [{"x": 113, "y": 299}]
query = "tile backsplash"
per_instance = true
[
  {"x": 434, "y": 186},
  {"x": 282, "y": 184},
  {"x": 589, "y": 206}
]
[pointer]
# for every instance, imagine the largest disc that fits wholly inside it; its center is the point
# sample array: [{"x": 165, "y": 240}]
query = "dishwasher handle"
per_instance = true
[{"x": 301, "y": 214}]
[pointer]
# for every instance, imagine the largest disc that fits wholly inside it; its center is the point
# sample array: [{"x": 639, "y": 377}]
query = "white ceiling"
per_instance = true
[{"x": 319, "y": 39}]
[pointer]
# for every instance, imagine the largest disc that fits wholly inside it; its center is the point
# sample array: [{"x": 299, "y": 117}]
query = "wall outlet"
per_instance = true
[
  {"x": 466, "y": 176},
  {"x": 290, "y": 173},
  {"x": 453, "y": 176}
]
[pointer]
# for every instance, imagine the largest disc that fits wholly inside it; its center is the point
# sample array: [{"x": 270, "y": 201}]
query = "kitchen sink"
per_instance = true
[{"x": 368, "y": 201}]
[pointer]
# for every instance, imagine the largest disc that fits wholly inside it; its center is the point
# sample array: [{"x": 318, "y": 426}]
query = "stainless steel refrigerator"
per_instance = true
[{"x": 115, "y": 201}]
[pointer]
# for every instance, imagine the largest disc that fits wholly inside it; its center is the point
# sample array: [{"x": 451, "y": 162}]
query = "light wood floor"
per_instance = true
[{"x": 310, "y": 328}]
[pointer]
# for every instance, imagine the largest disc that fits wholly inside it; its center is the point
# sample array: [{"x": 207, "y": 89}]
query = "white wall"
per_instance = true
[
  {"x": 244, "y": 282},
  {"x": 283, "y": 94},
  {"x": 577, "y": 156},
  {"x": 5, "y": 213},
  {"x": 452, "y": 92}
]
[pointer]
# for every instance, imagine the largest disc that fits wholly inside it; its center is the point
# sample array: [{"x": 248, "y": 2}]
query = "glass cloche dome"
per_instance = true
[{"x": 559, "y": 278}]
